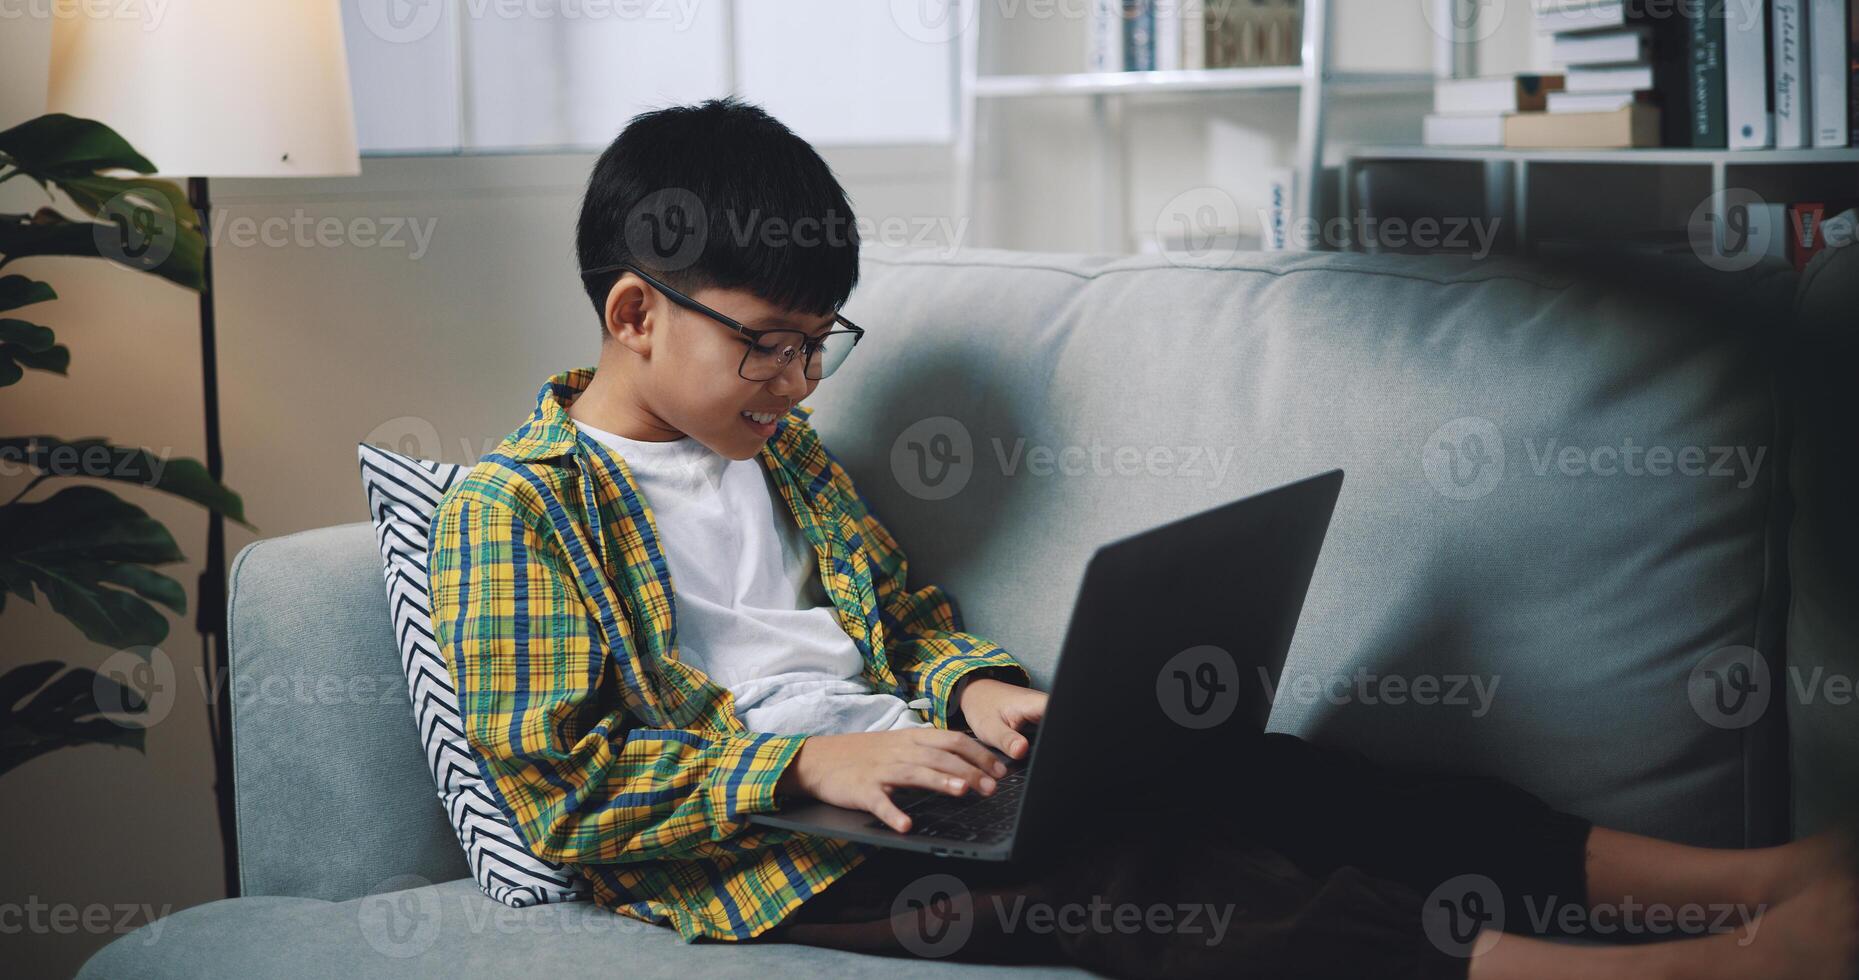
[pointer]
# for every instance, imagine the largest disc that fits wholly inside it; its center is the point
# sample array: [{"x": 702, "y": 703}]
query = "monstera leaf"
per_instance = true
[
  {"x": 87, "y": 551},
  {"x": 97, "y": 459},
  {"x": 24, "y": 344},
  {"x": 56, "y": 145},
  {"x": 146, "y": 224},
  {"x": 65, "y": 712},
  {"x": 137, "y": 234}
]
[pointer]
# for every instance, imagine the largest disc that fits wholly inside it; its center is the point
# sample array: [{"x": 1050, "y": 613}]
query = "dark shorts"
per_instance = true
[{"x": 1320, "y": 864}]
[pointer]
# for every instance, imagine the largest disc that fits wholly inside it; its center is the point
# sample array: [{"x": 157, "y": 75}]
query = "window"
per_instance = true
[{"x": 494, "y": 75}]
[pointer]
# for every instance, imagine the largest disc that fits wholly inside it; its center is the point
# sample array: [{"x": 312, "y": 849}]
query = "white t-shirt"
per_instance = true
[{"x": 751, "y": 613}]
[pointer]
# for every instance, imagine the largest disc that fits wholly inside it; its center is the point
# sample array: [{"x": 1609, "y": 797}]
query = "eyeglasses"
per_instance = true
[{"x": 769, "y": 351}]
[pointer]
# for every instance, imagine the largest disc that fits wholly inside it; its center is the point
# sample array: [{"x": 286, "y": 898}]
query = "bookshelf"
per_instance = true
[
  {"x": 1278, "y": 78},
  {"x": 1312, "y": 80},
  {"x": 1513, "y": 180},
  {"x": 1662, "y": 157}
]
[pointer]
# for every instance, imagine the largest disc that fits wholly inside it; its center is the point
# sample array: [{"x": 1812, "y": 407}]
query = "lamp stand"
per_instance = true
[{"x": 210, "y": 592}]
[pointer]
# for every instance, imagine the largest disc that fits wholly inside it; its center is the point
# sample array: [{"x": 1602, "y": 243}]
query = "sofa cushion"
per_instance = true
[
  {"x": 405, "y": 927},
  {"x": 403, "y": 492}
]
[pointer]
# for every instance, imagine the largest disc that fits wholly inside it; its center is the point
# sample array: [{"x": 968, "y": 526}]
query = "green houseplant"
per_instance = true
[{"x": 90, "y": 553}]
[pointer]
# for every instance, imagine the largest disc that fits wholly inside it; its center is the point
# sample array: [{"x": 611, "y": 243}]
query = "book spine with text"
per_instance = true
[
  {"x": 1704, "y": 70},
  {"x": 1827, "y": 63},
  {"x": 1687, "y": 64},
  {"x": 1790, "y": 88},
  {"x": 1748, "y": 86}
]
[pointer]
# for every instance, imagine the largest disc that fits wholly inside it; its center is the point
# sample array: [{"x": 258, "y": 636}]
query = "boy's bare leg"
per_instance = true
[
  {"x": 1802, "y": 897},
  {"x": 1623, "y": 866},
  {"x": 1814, "y": 935}
]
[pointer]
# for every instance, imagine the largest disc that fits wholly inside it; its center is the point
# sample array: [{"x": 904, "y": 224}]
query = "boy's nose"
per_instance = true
[{"x": 792, "y": 381}]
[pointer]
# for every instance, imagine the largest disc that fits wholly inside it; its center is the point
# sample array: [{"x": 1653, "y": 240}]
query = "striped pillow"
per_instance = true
[{"x": 402, "y": 493}]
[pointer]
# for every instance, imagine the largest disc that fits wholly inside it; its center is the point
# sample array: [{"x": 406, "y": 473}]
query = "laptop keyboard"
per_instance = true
[{"x": 968, "y": 818}]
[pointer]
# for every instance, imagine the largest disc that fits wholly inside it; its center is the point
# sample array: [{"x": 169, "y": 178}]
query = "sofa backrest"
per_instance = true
[{"x": 1498, "y": 591}]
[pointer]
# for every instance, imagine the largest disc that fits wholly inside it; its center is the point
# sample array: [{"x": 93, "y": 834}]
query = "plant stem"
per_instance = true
[{"x": 35, "y": 482}]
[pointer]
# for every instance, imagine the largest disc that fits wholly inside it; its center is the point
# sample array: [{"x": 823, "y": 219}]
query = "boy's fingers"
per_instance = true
[
  {"x": 880, "y": 806},
  {"x": 994, "y": 732},
  {"x": 924, "y": 777},
  {"x": 955, "y": 765},
  {"x": 975, "y": 750},
  {"x": 1014, "y": 742}
]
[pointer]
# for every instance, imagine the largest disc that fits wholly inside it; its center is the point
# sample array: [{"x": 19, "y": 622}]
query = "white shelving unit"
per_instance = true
[
  {"x": 1507, "y": 173},
  {"x": 1311, "y": 79}
]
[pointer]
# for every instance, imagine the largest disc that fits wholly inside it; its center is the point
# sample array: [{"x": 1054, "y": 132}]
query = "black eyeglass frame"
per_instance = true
[{"x": 809, "y": 345}]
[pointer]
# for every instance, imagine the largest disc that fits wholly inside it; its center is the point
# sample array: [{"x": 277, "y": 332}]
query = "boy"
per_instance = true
[{"x": 667, "y": 608}]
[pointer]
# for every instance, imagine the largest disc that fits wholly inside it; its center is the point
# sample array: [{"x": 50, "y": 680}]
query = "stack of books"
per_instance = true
[
  {"x": 1476, "y": 111},
  {"x": 1706, "y": 74},
  {"x": 1163, "y": 35},
  {"x": 1611, "y": 97}
]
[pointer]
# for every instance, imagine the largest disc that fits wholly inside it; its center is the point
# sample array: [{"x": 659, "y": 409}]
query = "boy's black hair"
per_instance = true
[{"x": 719, "y": 194}]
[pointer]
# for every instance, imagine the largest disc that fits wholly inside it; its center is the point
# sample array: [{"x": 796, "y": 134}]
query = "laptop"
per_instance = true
[{"x": 1177, "y": 638}]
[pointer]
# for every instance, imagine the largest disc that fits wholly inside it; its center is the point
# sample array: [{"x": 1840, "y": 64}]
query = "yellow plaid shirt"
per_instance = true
[{"x": 552, "y": 605}]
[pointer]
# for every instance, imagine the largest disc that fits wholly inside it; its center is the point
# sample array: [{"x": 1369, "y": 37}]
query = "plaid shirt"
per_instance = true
[{"x": 552, "y": 605}]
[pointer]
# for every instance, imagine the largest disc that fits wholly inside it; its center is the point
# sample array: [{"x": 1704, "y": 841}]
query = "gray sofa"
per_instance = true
[{"x": 1497, "y": 593}]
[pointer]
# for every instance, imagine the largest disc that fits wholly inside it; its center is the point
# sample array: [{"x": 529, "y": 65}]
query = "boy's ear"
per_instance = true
[{"x": 626, "y": 319}]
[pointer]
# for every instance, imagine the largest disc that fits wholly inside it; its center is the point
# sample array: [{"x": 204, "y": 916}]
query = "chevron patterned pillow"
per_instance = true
[{"x": 402, "y": 494}]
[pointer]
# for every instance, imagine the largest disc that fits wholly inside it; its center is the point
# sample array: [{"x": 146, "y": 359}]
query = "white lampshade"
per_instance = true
[{"x": 214, "y": 88}]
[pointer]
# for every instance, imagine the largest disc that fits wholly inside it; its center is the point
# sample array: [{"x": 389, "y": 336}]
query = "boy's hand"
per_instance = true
[
  {"x": 998, "y": 711},
  {"x": 858, "y": 770}
]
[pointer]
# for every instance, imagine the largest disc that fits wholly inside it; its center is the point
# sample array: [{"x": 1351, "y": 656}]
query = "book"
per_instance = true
[
  {"x": 1485, "y": 130},
  {"x": 1167, "y": 34},
  {"x": 1632, "y": 127},
  {"x": 1609, "y": 78},
  {"x": 1561, "y": 17},
  {"x": 1788, "y": 89},
  {"x": 1250, "y": 33},
  {"x": 1224, "y": 27},
  {"x": 1194, "y": 34},
  {"x": 1749, "y": 92},
  {"x": 1828, "y": 65},
  {"x": 1617, "y": 47},
  {"x": 1597, "y": 101},
  {"x": 1505, "y": 93},
  {"x": 1707, "y": 123},
  {"x": 1104, "y": 36},
  {"x": 1806, "y": 236},
  {"x": 1138, "y": 35},
  {"x": 1280, "y": 210}
]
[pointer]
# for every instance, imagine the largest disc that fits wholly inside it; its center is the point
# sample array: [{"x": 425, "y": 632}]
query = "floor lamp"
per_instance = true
[{"x": 215, "y": 88}]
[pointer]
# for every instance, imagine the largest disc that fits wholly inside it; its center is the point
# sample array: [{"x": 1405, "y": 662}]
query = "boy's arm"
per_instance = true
[
  {"x": 581, "y": 784},
  {"x": 928, "y": 649}
]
